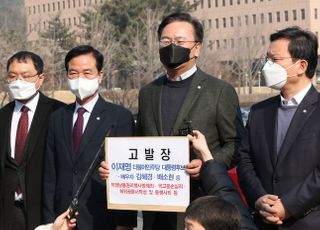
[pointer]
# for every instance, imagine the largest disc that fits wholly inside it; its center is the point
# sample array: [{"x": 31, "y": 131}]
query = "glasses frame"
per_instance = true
[
  {"x": 166, "y": 42},
  {"x": 25, "y": 78}
]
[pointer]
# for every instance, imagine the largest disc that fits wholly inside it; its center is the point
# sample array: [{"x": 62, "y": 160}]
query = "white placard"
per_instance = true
[{"x": 148, "y": 173}]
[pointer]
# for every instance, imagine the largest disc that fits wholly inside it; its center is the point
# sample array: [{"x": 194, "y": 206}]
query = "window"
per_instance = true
[
  {"x": 48, "y": 7},
  {"x": 253, "y": 1},
  {"x": 79, "y": 20},
  {"x": 38, "y": 9},
  {"x": 254, "y": 19},
  {"x": 231, "y": 2},
  {"x": 246, "y": 1},
  {"x": 247, "y": 42},
  {"x": 270, "y": 17},
  {"x": 64, "y": 21},
  {"x": 209, "y": 3},
  {"x": 69, "y": 4},
  {"x": 43, "y": 8},
  {"x": 225, "y": 43},
  {"x": 203, "y": 23},
  {"x": 218, "y": 44},
  {"x": 231, "y": 21},
  {"x": 34, "y": 9},
  {"x": 53, "y": 7},
  {"x": 315, "y": 13},
  {"x": 294, "y": 12},
  {"x": 278, "y": 16},
  {"x": 74, "y": 21},
  {"x": 84, "y": 2},
  {"x": 217, "y": 23},
  {"x": 58, "y": 5},
  {"x": 286, "y": 15},
  {"x": 239, "y": 20},
  {"x": 63, "y": 5},
  {"x": 238, "y": 2},
  {"x": 246, "y": 18},
  {"x": 74, "y": 3},
  {"x": 262, "y": 18},
  {"x": 44, "y": 25},
  {"x": 303, "y": 14},
  {"x": 263, "y": 40},
  {"x": 69, "y": 21},
  {"x": 79, "y": 3},
  {"x": 232, "y": 43},
  {"x": 29, "y": 9},
  {"x": 224, "y": 22},
  {"x": 223, "y": 2},
  {"x": 210, "y": 23},
  {"x": 195, "y": 3},
  {"x": 216, "y": 3},
  {"x": 201, "y": 3}
]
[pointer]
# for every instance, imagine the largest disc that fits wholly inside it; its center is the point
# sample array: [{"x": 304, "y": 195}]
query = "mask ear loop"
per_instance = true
[
  {"x": 194, "y": 57},
  {"x": 295, "y": 75}
]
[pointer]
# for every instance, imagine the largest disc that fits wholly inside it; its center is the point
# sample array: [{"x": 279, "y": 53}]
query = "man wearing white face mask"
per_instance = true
[
  {"x": 24, "y": 124},
  {"x": 279, "y": 157},
  {"x": 75, "y": 135}
]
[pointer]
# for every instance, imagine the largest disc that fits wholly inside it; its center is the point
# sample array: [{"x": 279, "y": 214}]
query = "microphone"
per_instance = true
[{"x": 73, "y": 207}]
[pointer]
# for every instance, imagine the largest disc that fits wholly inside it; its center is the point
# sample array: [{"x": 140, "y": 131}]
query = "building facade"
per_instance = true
[
  {"x": 40, "y": 12},
  {"x": 234, "y": 26}
]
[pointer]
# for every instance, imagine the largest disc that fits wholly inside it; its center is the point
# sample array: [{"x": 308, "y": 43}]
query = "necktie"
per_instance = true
[
  {"x": 21, "y": 136},
  {"x": 77, "y": 131}
]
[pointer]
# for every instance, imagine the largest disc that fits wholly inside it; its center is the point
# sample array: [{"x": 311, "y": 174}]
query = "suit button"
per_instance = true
[
  {"x": 75, "y": 171},
  {"x": 276, "y": 180}
]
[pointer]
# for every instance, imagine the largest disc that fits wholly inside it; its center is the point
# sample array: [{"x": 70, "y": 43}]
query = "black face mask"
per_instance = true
[{"x": 172, "y": 55}]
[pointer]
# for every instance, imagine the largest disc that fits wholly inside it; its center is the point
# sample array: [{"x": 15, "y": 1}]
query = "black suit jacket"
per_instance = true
[
  {"x": 32, "y": 165},
  {"x": 63, "y": 174},
  {"x": 212, "y": 106},
  {"x": 294, "y": 173},
  {"x": 216, "y": 181}
]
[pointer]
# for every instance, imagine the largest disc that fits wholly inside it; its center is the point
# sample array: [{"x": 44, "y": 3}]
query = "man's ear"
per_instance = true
[
  {"x": 303, "y": 66},
  {"x": 100, "y": 76}
]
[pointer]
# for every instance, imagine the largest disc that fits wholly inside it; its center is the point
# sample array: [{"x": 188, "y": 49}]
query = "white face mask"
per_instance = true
[
  {"x": 275, "y": 75},
  {"x": 83, "y": 88},
  {"x": 21, "y": 90}
]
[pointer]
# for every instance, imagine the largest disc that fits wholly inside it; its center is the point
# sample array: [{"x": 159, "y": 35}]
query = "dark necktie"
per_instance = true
[
  {"x": 21, "y": 136},
  {"x": 77, "y": 131}
]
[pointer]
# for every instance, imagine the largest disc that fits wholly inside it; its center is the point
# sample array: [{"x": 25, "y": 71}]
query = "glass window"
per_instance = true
[
  {"x": 262, "y": 18},
  {"x": 209, "y": 3},
  {"x": 246, "y": 17},
  {"x": 294, "y": 12},
  {"x": 315, "y": 13},
  {"x": 270, "y": 17},
  {"x": 224, "y": 22},
  {"x": 278, "y": 16},
  {"x": 231, "y": 21},
  {"x": 217, "y": 23},
  {"x": 286, "y": 15},
  {"x": 303, "y": 14},
  {"x": 254, "y": 19}
]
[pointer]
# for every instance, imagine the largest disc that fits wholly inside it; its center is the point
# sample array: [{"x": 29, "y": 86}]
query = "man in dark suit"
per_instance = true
[
  {"x": 75, "y": 134},
  {"x": 24, "y": 124},
  {"x": 279, "y": 157},
  {"x": 216, "y": 180},
  {"x": 186, "y": 96}
]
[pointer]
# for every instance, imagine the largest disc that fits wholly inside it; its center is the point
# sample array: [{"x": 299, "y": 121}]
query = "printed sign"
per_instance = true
[{"x": 148, "y": 173}]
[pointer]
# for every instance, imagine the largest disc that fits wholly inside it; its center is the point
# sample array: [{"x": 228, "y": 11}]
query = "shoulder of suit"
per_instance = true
[
  {"x": 210, "y": 79},
  {"x": 113, "y": 107},
  {"x": 271, "y": 101},
  {"x": 155, "y": 83}
]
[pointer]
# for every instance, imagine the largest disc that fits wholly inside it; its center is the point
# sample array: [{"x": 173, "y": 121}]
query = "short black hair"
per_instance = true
[
  {"x": 81, "y": 50},
  {"x": 213, "y": 212},
  {"x": 23, "y": 56},
  {"x": 302, "y": 45},
  {"x": 183, "y": 17}
]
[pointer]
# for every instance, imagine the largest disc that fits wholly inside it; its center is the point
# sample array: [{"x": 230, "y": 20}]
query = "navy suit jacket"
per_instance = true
[
  {"x": 63, "y": 174},
  {"x": 294, "y": 173}
]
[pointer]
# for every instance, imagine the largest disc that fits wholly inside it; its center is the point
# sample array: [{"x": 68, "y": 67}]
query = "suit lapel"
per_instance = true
[
  {"x": 193, "y": 93},
  {"x": 95, "y": 121},
  {"x": 5, "y": 131},
  {"x": 39, "y": 119},
  {"x": 67, "y": 128},
  {"x": 301, "y": 116},
  {"x": 156, "y": 104},
  {"x": 270, "y": 118}
]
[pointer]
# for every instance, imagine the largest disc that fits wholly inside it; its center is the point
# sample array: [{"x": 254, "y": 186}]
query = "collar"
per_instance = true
[
  {"x": 88, "y": 106},
  {"x": 296, "y": 100},
  {"x": 31, "y": 104},
  {"x": 186, "y": 74}
]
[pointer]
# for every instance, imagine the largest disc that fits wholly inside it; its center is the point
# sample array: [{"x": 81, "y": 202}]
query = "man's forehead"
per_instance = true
[{"x": 178, "y": 29}]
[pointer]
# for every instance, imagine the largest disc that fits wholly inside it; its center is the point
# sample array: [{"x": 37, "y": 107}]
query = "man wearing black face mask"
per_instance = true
[{"x": 185, "y": 95}]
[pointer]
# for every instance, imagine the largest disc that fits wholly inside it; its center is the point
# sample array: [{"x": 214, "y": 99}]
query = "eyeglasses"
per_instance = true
[
  {"x": 74, "y": 75},
  {"x": 272, "y": 60},
  {"x": 28, "y": 78},
  {"x": 165, "y": 42}
]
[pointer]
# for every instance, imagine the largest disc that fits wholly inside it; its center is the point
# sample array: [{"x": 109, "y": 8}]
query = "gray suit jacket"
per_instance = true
[{"x": 212, "y": 106}]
